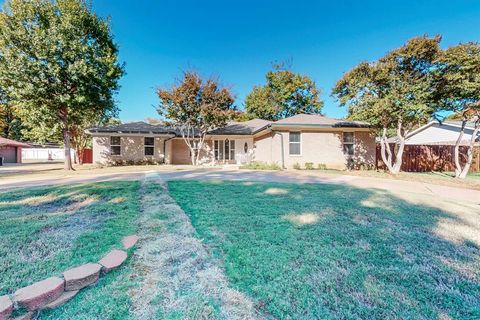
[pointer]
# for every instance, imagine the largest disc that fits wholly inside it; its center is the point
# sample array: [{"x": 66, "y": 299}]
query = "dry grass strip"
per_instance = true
[{"x": 179, "y": 277}]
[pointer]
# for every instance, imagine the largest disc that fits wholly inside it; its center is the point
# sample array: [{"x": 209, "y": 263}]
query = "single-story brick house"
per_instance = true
[
  {"x": 11, "y": 150},
  {"x": 298, "y": 139}
]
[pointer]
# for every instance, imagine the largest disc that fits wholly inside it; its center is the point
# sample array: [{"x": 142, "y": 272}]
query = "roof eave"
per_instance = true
[
  {"x": 321, "y": 126},
  {"x": 135, "y": 132}
]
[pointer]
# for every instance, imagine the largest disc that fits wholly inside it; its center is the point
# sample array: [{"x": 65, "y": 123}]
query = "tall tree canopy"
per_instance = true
[
  {"x": 10, "y": 124},
  {"x": 397, "y": 92},
  {"x": 459, "y": 83},
  {"x": 196, "y": 106},
  {"x": 58, "y": 63},
  {"x": 285, "y": 94}
]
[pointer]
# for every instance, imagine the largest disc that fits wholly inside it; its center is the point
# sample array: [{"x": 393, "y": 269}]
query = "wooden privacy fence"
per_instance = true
[
  {"x": 87, "y": 156},
  {"x": 425, "y": 158}
]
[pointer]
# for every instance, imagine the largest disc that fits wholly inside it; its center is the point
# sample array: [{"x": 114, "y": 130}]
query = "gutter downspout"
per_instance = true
[{"x": 282, "y": 148}]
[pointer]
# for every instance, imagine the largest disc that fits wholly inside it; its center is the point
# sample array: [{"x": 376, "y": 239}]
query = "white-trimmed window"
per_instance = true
[
  {"x": 115, "y": 148},
  {"x": 295, "y": 143},
  {"x": 224, "y": 149},
  {"x": 149, "y": 146},
  {"x": 232, "y": 149},
  {"x": 348, "y": 143}
]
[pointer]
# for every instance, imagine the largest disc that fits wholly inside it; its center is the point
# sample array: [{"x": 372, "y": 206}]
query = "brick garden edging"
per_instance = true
[{"x": 56, "y": 291}]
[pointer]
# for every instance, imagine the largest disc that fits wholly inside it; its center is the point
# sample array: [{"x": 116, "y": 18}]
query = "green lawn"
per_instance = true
[
  {"x": 44, "y": 231},
  {"x": 441, "y": 178},
  {"x": 335, "y": 252},
  {"x": 475, "y": 175}
]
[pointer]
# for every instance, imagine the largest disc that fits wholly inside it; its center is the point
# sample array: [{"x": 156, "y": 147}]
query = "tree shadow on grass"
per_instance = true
[
  {"x": 330, "y": 251},
  {"x": 44, "y": 231}
]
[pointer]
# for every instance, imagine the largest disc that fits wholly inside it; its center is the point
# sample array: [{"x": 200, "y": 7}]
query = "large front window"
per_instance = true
[
  {"x": 149, "y": 146},
  {"x": 224, "y": 149},
  {"x": 115, "y": 149},
  {"x": 295, "y": 142}
]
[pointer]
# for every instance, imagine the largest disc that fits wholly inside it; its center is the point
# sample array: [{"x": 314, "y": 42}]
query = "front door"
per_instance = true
[{"x": 224, "y": 151}]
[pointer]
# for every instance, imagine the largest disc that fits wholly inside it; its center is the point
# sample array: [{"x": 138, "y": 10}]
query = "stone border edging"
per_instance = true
[{"x": 56, "y": 291}]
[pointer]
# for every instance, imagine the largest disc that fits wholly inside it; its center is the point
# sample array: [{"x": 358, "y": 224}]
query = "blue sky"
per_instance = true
[{"x": 238, "y": 40}]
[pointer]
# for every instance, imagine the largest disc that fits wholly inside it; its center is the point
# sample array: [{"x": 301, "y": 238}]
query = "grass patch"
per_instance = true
[
  {"x": 336, "y": 252},
  {"x": 108, "y": 299},
  {"x": 45, "y": 231},
  {"x": 441, "y": 178},
  {"x": 475, "y": 175},
  {"x": 259, "y": 165}
]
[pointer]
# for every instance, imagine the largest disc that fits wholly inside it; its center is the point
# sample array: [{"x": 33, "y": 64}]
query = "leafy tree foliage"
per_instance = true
[
  {"x": 153, "y": 121},
  {"x": 10, "y": 124},
  {"x": 196, "y": 106},
  {"x": 394, "y": 92},
  {"x": 286, "y": 94},
  {"x": 58, "y": 63},
  {"x": 459, "y": 92}
]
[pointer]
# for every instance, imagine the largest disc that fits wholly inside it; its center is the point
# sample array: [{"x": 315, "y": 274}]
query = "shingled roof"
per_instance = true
[
  {"x": 320, "y": 121},
  {"x": 13, "y": 143},
  {"x": 241, "y": 128},
  {"x": 139, "y": 127},
  {"x": 233, "y": 128}
]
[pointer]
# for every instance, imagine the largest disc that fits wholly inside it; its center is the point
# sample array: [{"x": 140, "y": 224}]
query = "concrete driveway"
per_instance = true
[{"x": 42, "y": 175}]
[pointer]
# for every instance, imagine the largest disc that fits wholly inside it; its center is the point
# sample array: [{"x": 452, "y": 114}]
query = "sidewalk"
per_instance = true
[{"x": 288, "y": 176}]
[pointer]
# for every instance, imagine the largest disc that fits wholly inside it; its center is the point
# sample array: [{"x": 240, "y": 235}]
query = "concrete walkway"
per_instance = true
[{"x": 293, "y": 176}]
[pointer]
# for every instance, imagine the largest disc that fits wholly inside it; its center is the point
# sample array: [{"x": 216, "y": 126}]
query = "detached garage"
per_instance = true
[{"x": 11, "y": 150}]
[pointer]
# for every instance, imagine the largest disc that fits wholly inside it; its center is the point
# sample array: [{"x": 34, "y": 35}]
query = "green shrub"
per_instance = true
[
  {"x": 322, "y": 166},
  {"x": 259, "y": 165},
  {"x": 130, "y": 162},
  {"x": 150, "y": 161},
  {"x": 366, "y": 166},
  {"x": 297, "y": 166},
  {"x": 309, "y": 165},
  {"x": 116, "y": 163},
  {"x": 146, "y": 162}
]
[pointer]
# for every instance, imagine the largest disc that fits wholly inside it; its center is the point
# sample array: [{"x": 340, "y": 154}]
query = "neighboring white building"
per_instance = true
[
  {"x": 47, "y": 152},
  {"x": 436, "y": 133}
]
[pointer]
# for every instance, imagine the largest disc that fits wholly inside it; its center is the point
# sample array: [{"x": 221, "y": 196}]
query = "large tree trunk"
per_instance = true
[
  {"x": 190, "y": 142},
  {"x": 200, "y": 146},
  {"x": 462, "y": 173},
  {"x": 386, "y": 152},
  {"x": 66, "y": 142},
  {"x": 193, "y": 157},
  {"x": 66, "y": 139},
  {"x": 458, "y": 166},
  {"x": 399, "y": 155}
]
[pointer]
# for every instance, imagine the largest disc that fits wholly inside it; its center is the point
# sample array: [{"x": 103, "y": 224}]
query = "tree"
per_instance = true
[
  {"x": 196, "y": 106},
  {"x": 10, "y": 124},
  {"x": 459, "y": 83},
  {"x": 395, "y": 92},
  {"x": 58, "y": 63},
  {"x": 285, "y": 94},
  {"x": 153, "y": 121}
]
